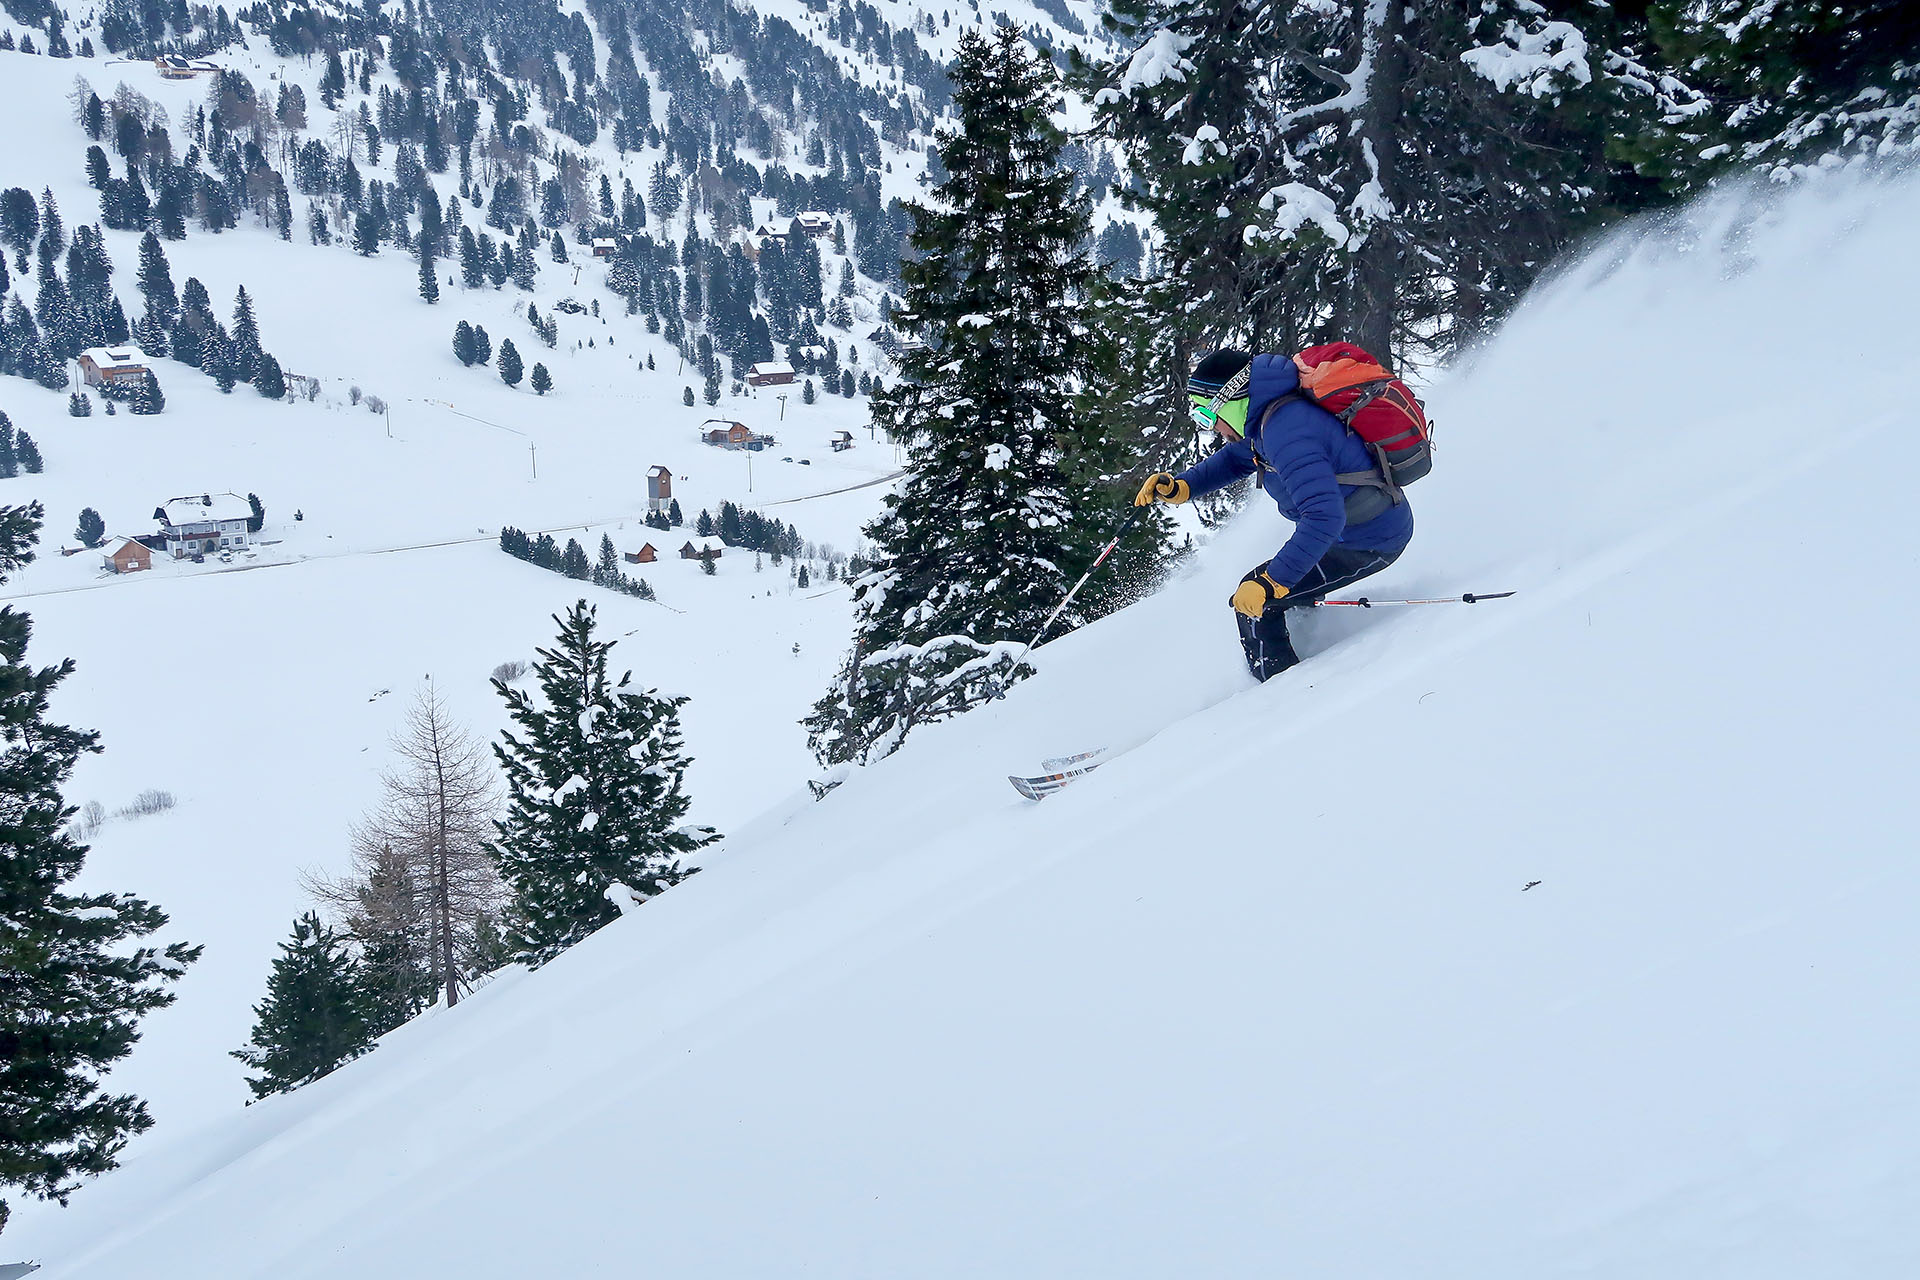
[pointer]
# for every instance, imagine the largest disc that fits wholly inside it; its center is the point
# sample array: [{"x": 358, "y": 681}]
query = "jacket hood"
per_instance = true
[{"x": 1273, "y": 377}]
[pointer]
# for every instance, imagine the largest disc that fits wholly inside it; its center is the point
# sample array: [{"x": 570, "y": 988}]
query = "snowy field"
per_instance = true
[
  {"x": 261, "y": 692},
  {"x": 1267, "y": 995}
]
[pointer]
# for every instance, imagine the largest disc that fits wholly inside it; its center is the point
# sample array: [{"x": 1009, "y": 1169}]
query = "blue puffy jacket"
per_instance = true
[{"x": 1304, "y": 448}]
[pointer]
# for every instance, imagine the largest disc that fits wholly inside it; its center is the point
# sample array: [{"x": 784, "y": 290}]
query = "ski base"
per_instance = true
[{"x": 1045, "y": 785}]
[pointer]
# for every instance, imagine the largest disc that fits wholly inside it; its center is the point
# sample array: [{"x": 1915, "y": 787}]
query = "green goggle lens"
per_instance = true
[{"x": 1203, "y": 414}]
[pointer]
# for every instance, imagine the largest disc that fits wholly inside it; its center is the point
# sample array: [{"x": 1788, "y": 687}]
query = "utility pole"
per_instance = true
[
  {"x": 534, "y": 459},
  {"x": 750, "y": 453},
  {"x": 783, "y": 406},
  {"x": 387, "y": 413}
]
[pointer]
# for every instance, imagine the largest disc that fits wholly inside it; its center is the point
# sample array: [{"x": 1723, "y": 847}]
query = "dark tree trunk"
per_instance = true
[{"x": 1377, "y": 267}]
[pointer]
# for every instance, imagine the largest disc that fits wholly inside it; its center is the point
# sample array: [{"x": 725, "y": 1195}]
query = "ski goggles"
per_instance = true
[
  {"x": 1213, "y": 414},
  {"x": 1227, "y": 404}
]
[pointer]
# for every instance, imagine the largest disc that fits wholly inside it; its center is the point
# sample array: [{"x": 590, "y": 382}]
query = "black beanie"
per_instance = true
[{"x": 1216, "y": 370}]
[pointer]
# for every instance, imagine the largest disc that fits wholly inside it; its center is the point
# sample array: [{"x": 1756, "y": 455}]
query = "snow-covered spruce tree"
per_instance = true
[
  {"x": 1799, "y": 82},
  {"x": 1381, "y": 172},
  {"x": 312, "y": 1019},
  {"x": 595, "y": 795},
  {"x": 74, "y": 987},
  {"x": 988, "y": 528}
]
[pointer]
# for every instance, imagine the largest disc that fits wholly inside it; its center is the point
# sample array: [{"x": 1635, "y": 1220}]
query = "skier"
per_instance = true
[{"x": 1342, "y": 532}]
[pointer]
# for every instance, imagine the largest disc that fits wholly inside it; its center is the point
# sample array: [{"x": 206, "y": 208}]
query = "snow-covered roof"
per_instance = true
[
  {"x": 816, "y": 218},
  {"x": 114, "y": 545},
  {"x": 769, "y": 230},
  {"x": 120, "y": 357},
  {"x": 197, "y": 507},
  {"x": 765, "y": 367},
  {"x": 605, "y": 242}
]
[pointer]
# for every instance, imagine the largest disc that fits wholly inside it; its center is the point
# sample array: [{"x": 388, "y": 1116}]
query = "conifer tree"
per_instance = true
[
  {"x": 92, "y": 530},
  {"x": 268, "y": 379},
  {"x": 463, "y": 343},
  {"x": 75, "y": 988},
  {"x": 472, "y": 270},
  {"x": 79, "y": 405},
  {"x": 542, "y": 381},
  {"x": 148, "y": 398},
  {"x": 510, "y": 366},
  {"x": 30, "y": 462},
  {"x": 482, "y": 346},
  {"x": 156, "y": 280},
  {"x": 429, "y": 276},
  {"x": 243, "y": 345},
  {"x": 313, "y": 1018},
  {"x": 1377, "y": 172},
  {"x": 686, "y": 397},
  {"x": 595, "y": 794},
  {"x": 388, "y": 919},
  {"x": 1798, "y": 82},
  {"x": 986, "y": 530}
]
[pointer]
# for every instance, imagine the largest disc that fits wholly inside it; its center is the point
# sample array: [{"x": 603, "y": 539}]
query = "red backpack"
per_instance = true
[{"x": 1376, "y": 406}]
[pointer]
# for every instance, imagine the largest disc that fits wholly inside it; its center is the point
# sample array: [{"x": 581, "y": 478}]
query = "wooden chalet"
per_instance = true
[
  {"x": 119, "y": 366},
  {"x": 732, "y": 435},
  {"x": 128, "y": 556},
  {"x": 702, "y": 549},
  {"x": 770, "y": 373},
  {"x": 647, "y": 554}
]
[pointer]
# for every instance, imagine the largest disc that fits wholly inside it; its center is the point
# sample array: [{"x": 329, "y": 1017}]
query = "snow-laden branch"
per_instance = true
[
  {"x": 1539, "y": 63},
  {"x": 1359, "y": 82},
  {"x": 1161, "y": 58}
]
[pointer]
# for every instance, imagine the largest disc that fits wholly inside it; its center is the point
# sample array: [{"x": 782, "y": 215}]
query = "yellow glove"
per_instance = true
[
  {"x": 1162, "y": 487},
  {"x": 1255, "y": 592}
]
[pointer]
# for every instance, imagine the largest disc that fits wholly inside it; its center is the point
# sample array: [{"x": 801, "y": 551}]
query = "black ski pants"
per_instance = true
[{"x": 1268, "y": 647}]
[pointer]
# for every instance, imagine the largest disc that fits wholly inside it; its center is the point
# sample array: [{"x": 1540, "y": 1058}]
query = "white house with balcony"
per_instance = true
[{"x": 204, "y": 523}]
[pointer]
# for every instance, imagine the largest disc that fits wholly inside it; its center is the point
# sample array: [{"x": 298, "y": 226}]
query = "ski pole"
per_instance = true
[
  {"x": 1061, "y": 608},
  {"x": 1469, "y": 598}
]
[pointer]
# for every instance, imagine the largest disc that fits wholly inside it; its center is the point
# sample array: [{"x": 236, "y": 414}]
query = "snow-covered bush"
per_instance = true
[{"x": 147, "y": 803}]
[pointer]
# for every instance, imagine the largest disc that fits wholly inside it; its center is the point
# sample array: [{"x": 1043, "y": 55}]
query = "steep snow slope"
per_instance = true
[{"x": 1266, "y": 996}]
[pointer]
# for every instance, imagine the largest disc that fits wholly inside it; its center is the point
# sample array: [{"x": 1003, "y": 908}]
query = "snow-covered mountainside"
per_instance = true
[
  {"x": 259, "y": 688},
  {"x": 1562, "y": 934}
]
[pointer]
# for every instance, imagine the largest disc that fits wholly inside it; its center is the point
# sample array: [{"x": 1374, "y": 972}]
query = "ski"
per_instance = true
[
  {"x": 1057, "y": 764},
  {"x": 1041, "y": 787}
]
